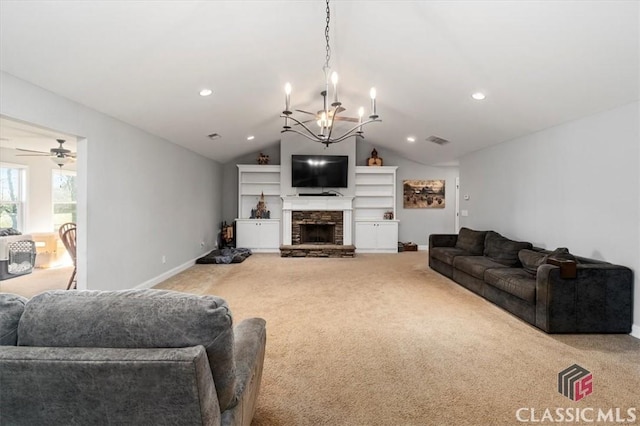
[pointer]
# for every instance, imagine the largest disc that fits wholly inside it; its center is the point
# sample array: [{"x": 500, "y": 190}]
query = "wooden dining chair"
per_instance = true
[{"x": 68, "y": 236}]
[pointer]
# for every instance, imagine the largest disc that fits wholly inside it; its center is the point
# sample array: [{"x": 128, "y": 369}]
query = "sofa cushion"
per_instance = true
[
  {"x": 11, "y": 308},
  {"x": 471, "y": 241},
  {"x": 446, "y": 254},
  {"x": 475, "y": 265},
  {"x": 502, "y": 249},
  {"x": 515, "y": 281},
  {"x": 531, "y": 259},
  {"x": 135, "y": 319}
]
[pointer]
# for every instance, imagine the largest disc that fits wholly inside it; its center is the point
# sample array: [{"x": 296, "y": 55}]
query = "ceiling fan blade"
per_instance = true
[
  {"x": 305, "y": 112},
  {"x": 33, "y": 155},
  {"x": 352, "y": 119},
  {"x": 306, "y": 121},
  {"x": 30, "y": 150}
]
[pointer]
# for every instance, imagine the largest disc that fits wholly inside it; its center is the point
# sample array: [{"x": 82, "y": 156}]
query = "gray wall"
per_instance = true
[
  {"x": 576, "y": 185},
  {"x": 140, "y": 197},
  {"x": 417, "y": 224}
]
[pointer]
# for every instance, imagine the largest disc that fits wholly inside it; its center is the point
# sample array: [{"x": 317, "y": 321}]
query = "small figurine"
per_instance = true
[
  {"x": 261, "y": 212},
  {"x": 374, "y": 160},
  {"x": 263, "y": 159}
]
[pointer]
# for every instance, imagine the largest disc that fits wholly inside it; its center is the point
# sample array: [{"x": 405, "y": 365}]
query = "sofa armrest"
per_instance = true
[
  {"x": 598, "y": 300},
  {"x": 442, "y": 240},
  {"x": 249, "y": 349},
  {"x": 63, "y": 386}
]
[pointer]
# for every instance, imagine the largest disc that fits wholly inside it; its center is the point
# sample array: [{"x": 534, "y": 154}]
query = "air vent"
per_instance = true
[
  {"x": 214, "y": 136},
  {"x": 437, "y": 140}
]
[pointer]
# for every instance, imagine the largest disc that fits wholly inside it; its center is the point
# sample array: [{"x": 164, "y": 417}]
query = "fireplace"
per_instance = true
[
  {"x": 316, "y": 227},
  {"x": 317, "y": 234}
]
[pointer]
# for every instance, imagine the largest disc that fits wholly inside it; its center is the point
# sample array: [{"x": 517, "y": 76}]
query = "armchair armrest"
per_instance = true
[
  {"x": 598, "y": 300},
  {"x": 249, "y": 348},
  {"x": 442, "y": 240}
]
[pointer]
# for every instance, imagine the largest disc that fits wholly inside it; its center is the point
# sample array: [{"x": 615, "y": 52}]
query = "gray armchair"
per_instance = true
[{"x": 127, "y": 357}]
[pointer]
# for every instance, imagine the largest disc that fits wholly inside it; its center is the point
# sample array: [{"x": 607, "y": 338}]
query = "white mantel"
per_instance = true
[{"x": 320, "y": 203}]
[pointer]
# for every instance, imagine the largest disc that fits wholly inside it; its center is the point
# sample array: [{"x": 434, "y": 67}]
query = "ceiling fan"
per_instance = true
[
  {"x": 318, "y": 115},
  {"x": 59, "y": 155}
]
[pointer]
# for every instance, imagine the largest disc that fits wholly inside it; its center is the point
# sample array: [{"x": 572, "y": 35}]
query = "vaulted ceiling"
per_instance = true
[{"x": 540, "y": 64}]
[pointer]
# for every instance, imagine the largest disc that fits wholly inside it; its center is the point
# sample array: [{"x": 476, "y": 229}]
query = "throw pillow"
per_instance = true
[
  {"x": 471, "y": 241},
  {"x": 503, "y": 250},
  {"x": 562, "y": 253},
  {"x": 531, "y": 259}
]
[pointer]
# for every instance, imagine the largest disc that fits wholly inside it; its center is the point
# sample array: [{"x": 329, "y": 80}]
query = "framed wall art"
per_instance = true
[{"x": 423, "y": 194}]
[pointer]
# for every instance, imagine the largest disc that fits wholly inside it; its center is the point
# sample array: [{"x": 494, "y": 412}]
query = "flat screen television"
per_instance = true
[{"x": 319, "y": 171}]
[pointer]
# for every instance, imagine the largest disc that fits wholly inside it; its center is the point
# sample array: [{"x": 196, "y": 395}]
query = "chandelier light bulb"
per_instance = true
[
  {"x": 372, "y": 93},
  {"x": 287, "y": 96},
  {"x": 334, "y": 80}
]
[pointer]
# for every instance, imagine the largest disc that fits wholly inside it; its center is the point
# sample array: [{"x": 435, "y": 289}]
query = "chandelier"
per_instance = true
[{"x": 328, "y": 115}]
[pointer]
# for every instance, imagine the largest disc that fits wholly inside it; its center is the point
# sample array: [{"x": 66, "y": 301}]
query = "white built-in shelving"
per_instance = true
[
  {"x": 253, "y": 182},
  {"x": 375, "y": 197},
  {"x": 375, "y": 192}
]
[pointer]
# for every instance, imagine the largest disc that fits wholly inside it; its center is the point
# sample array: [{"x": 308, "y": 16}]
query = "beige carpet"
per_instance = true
[
  {"x": 39, "y": 280},
  {"x": 383, "y": 340}
]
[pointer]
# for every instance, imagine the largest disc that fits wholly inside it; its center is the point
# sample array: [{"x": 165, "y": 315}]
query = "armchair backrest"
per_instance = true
[{"x": 135, "y": 319}]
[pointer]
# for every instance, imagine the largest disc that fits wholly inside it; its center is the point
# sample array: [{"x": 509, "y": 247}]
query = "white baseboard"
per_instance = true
[
  {"x": 423, "y": 248},
  {"x": 635, "y": 331},
  {"x": 170, "y": 273}
]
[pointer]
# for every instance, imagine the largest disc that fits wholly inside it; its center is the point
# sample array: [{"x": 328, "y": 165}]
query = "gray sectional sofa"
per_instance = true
[
  {"x": 553, "y": 290},
  {"x": 133, "y": 357}
]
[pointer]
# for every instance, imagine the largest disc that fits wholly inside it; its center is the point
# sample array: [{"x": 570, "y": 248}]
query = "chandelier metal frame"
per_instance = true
[{"x": 328, "y": 116}]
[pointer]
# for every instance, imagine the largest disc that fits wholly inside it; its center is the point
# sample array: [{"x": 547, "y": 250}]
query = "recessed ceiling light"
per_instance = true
[
  {"x": 478, "y": 96},
  {"x": 250, "y": 138},
  {"x": 206, "y": 92},
  {"x": 411, "y": 139}
]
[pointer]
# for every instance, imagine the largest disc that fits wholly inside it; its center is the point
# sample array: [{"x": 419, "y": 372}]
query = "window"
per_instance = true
[
  {"x": 12, "y": 196},
  {"x": 64, "y": 197}
]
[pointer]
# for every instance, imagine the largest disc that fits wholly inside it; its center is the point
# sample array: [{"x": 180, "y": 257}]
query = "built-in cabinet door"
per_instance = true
[
  {"x": 377, "y": 236},
  {"x": 260, "y": 235},
  {"x": 366, "y": 238}
]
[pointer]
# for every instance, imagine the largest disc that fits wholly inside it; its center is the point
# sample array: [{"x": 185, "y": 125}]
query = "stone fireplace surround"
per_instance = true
[
  {"x": 316, "y": 227},
  {"x": 320, "y": 205},
  {"x": 332, "y": 212}
]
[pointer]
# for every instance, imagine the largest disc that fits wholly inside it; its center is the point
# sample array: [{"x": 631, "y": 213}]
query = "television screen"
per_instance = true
[{"x": 319, "y": 171}]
